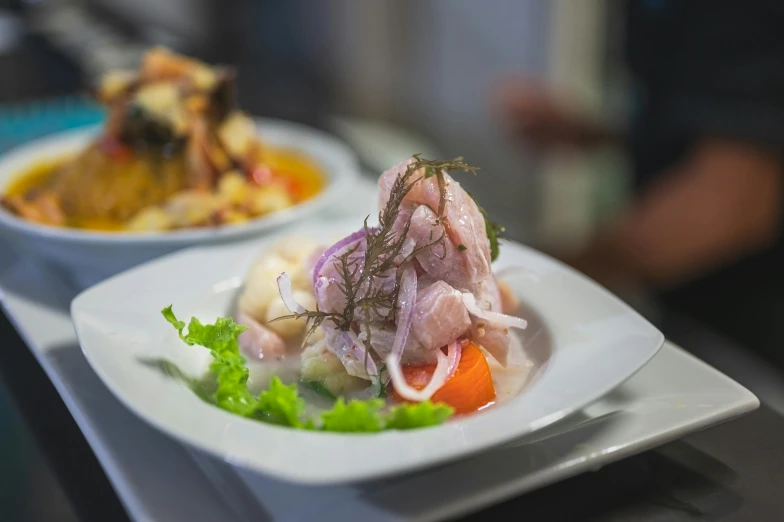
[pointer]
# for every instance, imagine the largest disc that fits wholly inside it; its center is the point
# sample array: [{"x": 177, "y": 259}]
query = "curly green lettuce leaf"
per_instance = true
[
  {"x": 228, "y": 365},
  {"x": 281, "y": 404},
  {"x": 419, "y": 415},
  {"x": 354, "y": 416}
]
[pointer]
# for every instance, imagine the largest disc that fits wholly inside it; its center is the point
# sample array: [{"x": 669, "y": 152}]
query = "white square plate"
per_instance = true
[{"x": 591, "y": 341}]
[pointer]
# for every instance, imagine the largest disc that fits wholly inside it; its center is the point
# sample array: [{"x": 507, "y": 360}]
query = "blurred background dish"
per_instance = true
[
  {"x": 174, "y": 152},
  {"x": 90, "y": 256}
]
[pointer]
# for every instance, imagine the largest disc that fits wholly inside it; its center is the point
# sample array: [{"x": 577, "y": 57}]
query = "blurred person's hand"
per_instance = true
[
  {"x": 533, "y": 113},
  {"x": 725, "y": 201}
]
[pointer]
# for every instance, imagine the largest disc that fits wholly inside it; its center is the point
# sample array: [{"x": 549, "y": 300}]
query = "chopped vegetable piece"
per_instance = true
[
  {"x": 318, "y": 388},
  {"x": 494, "y": 233},
  {"x": 469, "y": 389}
]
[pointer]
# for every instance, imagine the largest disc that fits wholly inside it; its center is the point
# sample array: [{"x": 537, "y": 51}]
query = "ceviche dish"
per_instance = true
[
  {"x": 401, "y": 324},
  {"x": 174, "y": 152}
]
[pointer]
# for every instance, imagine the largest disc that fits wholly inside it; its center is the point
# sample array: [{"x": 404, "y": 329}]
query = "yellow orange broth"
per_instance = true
[{"x": 304, "y": 178}]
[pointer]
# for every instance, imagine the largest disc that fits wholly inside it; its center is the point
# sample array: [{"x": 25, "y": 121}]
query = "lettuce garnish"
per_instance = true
[
  {"x": 356, "y": 416},
  {"x": 281, "y": 404},
  {"x": 420, "y": 415},
  {"x": 228, "y": 366}
]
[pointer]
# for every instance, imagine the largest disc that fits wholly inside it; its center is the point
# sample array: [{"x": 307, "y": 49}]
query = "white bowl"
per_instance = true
[
  {"x": 584, "y": 341},
  {"x": 91, "y": 256}
]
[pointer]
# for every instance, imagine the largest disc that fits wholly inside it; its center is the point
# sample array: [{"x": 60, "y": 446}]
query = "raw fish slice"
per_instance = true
[
  {"x": 445, "y": 260},
  {"x": 383, "y": 337},
  {"x": 439, "y": 316},
  {"x": 464, "y": 223}
]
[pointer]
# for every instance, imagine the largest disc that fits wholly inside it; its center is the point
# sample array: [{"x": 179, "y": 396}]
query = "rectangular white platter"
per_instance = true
[{"x": 157, "y": 479}]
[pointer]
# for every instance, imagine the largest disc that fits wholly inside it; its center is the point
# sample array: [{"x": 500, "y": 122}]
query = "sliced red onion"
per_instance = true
[
  {"x": 318, "y": 288},
  {"x": 350, "y": 349},
  {"x": 439, "y": 378},
  {"x": 492, "y": 317},
  {"x": 284, "y": 287},
  {"x": 407, "y": 299},
  {"x": 334, "y": 249},
  {"x": 454, "y": 352}
]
